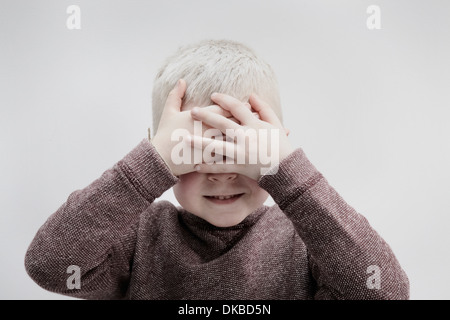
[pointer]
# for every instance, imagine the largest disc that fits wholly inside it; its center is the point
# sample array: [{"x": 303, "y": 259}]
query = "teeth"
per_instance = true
[{"x": 223, "y": 197}]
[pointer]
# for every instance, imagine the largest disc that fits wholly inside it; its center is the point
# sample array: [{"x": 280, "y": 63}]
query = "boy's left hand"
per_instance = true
[{"x": 270, "y": 142}]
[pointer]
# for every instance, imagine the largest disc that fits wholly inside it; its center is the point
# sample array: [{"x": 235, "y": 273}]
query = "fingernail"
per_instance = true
[
  {"x": 197, "y": 167},
  {"x": 195, "y": 110},
  {"x": 214, "y": 95}
]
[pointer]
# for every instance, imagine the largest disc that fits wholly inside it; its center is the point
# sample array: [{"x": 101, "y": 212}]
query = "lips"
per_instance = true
[{"x": 224, "y": 198}]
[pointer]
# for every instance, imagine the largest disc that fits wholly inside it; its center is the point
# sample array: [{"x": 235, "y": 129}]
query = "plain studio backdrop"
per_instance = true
[{"x": 370, "y": 107}]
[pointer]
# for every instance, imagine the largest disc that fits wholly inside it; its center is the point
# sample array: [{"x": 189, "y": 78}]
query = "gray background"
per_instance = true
[{"x": 369, "y": 107}]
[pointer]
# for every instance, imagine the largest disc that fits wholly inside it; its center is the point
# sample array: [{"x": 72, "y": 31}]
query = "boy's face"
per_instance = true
[
  {"x": 205, "y": 195},
  {"x": 200, "y": 194}
]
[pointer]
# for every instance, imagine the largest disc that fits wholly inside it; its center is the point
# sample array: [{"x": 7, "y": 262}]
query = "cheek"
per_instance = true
[
  {"x": 259, "y": 195},
  {"x": 187, "y": 186}
]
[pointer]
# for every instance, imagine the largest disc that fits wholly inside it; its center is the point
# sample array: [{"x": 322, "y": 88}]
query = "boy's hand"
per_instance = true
[
  {"x": 255, "y": 147},
  {"x": 172, "y": 119}
]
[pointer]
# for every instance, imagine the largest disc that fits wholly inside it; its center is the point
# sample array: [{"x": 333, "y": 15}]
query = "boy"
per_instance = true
[{"x": 223, "y": 242}]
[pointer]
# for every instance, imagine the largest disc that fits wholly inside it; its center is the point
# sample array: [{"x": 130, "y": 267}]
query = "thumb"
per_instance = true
[{"x": 175, "y": 97}]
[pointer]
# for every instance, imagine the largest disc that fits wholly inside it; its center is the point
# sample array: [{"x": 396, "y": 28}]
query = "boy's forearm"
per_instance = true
[
  {"x": 344, "y": 249},
  {"x": 84, "y": 230}
]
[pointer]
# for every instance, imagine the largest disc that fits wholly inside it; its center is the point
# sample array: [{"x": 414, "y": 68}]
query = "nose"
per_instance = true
[{"x": 222, "y": 177}]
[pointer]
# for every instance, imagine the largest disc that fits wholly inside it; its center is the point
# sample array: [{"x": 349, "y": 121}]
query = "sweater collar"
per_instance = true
[
  {"x": 209, "y": 241},
  {"x": 192, "y": 220}
]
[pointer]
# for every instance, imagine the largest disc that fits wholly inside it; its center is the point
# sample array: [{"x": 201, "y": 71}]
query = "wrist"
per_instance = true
[
  {"x": 143, "y": 166},
  {"x": 285, "y": 151},
  {"x": 162, "y": 152}
]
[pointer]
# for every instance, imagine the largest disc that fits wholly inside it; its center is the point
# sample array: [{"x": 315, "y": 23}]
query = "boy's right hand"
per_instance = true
[{"x": 171, "y": 119}]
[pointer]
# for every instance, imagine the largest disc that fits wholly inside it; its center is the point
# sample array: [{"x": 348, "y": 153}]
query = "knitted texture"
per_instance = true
[{"x": 310, "y": 245}]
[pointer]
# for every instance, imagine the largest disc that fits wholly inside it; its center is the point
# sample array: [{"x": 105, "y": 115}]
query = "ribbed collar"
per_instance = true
[
  {"x": 211, "y": 242},
  {"x": 192, "y": 220}
]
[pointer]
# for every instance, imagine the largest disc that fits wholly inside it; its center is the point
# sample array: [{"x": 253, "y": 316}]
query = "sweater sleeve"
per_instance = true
[
  {"x": 347, "y": 257},
  {"x": 94, "y": 231}
]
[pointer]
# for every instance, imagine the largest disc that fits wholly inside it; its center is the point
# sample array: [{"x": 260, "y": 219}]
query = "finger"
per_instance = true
[
  {"x": 233, "y": 105},
  {"x": 226, "y": 149},
  {"x": 234, "y": 120},
  {"x": 266, "y": 113},
  {"x": 175, "y": 98},
  {"x": 217, "y": 168},
  {"x": 219, "y": 110},
  {"x": 215, "y": 145},
  {"x": 214, "y": 120}
]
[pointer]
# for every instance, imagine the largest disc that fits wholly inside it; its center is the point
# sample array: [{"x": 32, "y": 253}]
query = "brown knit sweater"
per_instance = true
[{"x": 310, "y": 245}]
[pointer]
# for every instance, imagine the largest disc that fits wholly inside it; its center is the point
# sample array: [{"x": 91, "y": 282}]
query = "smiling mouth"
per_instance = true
[{"x": 224, "y": 198}]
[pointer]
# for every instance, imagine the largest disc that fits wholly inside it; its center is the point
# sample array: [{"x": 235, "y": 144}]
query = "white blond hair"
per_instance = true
[{"x": 215, "y": 66}]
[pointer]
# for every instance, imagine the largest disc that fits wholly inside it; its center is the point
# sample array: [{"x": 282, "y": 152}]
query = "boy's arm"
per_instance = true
[
  {"x": 95, "y": 229},
  {"x": 349, "y": 260}
]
